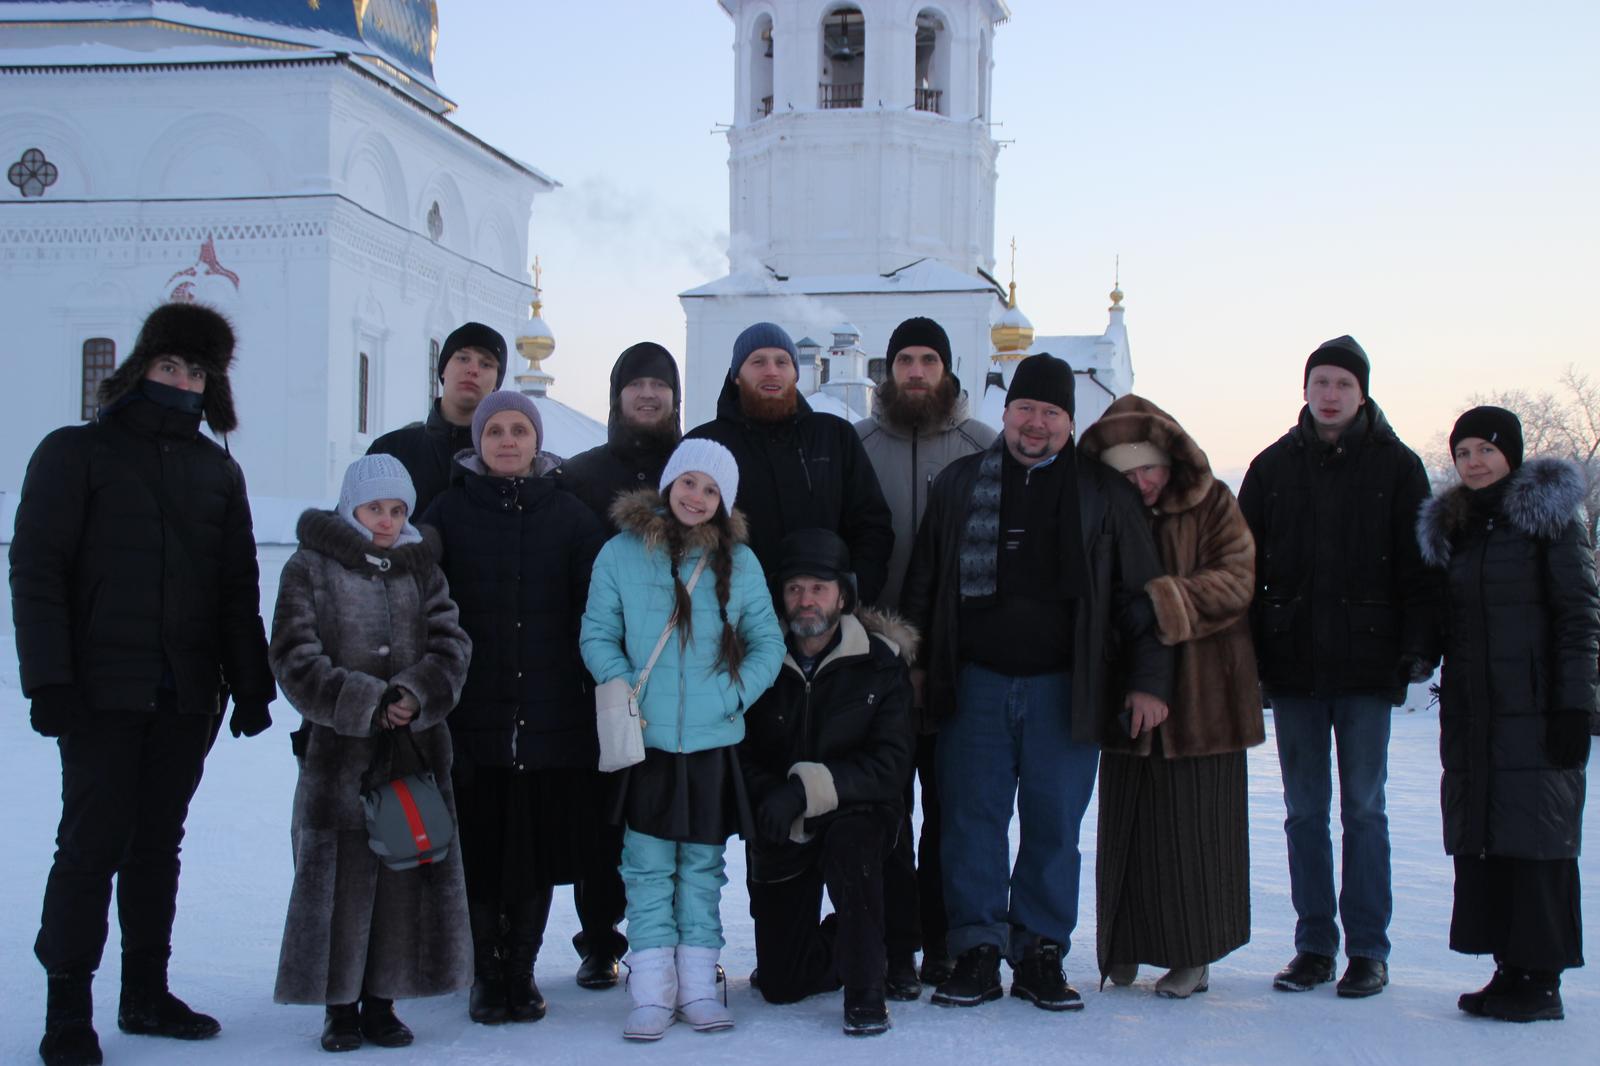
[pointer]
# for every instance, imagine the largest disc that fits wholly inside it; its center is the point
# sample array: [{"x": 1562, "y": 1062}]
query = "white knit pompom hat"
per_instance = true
[{"x": 709, "y": 458}]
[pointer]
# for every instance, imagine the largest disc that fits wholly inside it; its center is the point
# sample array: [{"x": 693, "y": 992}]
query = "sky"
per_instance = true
[{"x": 1420, "y": 174}]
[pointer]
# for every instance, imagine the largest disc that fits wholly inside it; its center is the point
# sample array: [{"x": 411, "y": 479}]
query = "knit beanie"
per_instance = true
[
  {"x": 1495, "y": 425},
  {"x": 505, "y": 400},
  {"x": 760, "y": 335},
  {"x": 709, "y": 458},
  {"x": 1131, "y": 456},
  {"x": 1046, "y": 379},
  {"x": 1344, "y": 353},
  {"x": 378, "y": 477},
  {"x": 915, "y": 332},
  {"x": 475, "y": 335},
  {"x": 646, "y": 359}
]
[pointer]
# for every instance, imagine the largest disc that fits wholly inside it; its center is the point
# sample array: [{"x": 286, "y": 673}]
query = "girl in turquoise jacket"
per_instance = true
[{"x": 682, "y": 803}]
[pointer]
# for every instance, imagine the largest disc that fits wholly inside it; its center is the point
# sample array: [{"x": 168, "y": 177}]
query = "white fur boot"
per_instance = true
[
  {"x": 653, "y": 984},
  {"x": 698, "y": 1001}
]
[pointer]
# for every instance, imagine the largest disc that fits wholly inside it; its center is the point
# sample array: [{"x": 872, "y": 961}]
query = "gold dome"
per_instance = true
[{"x": 1012, "y": 333}]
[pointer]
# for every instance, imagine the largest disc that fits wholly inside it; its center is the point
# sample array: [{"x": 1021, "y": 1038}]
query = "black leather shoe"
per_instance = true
[
  {"x": 524, "y": 1001},
  {"x": 1305, "y": 971},
  {"x": 1533, "y": 996},
  {"x": 865, "y": 1013},
  {"x": 975, "y": 980},
  {"x": 900, "y": 978},
  {"x": 341, "y": 1027},
  {"x": 937, "y": 966},
  {"x": 598, "y": 971},
  {"x": 1038, "y": 978},
  {"x": 157, "y": 1012},
  {"x": 1363, "y": 978},
  {"x": 379, "y": 1024},
  {"x": 487, "y": 1003},
  {"x": 1472, "y": 1002}
]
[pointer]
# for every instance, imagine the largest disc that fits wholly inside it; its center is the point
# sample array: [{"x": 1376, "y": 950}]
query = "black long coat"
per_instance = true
[
  {"x": 112, "y": 586},
  {"x": 1520, "y": 630},
  {"x": 517, "y": 553},
  {"x": 809, "y": 471},
  {"x": 1341, "y": 592}
]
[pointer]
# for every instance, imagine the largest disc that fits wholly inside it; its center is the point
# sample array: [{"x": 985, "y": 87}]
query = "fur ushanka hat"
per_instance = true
[{"x": 197, "y": 334}]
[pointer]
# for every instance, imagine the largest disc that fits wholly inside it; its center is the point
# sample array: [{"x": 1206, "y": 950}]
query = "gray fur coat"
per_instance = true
[{"x": 351, "y": 621}]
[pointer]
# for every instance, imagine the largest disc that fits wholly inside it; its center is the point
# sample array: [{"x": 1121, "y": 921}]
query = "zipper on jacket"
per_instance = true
[
  {"x": 914, "y": 512},
  {"x": 799, "y": 449}
]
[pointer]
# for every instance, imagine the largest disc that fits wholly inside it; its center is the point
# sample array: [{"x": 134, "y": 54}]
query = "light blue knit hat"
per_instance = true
[{"x": 377, "y": 477}]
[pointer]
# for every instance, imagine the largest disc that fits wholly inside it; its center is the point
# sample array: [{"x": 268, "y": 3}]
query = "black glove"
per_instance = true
[
  {"x": 1566, "y": 738},
  {"x": 1413, "y": 670},
  {"x": 249, "y": 719},
  {"x": 56, "y": 710},
  {"x": 778, "y": 811}
]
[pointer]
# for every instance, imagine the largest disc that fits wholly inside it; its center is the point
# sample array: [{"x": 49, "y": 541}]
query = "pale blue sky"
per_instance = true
[{"x": 1419, "y": 173}]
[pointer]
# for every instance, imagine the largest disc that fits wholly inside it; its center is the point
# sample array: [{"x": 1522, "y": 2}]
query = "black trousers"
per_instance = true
[
  {"x": 126, "y": 783},
  {"x": 797, "y": 956},
  {"x": 600, "y": 898},
  {"x": 913, "y": 884},
  {"x": 1524, "y": 912}
]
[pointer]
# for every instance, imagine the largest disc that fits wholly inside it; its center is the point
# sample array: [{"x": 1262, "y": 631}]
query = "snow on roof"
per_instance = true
[
  {"x": 567, "y": 431},
  {"x": 922, "y": 276}
]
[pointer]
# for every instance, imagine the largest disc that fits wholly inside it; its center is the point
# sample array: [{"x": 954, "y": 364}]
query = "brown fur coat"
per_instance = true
[{"x": 1202, "y": 603}]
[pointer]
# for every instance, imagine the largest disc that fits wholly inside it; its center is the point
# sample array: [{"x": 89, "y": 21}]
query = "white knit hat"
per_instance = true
[
  {"x": 709, "y": 458},
  {"x": 377, "y": 477}
]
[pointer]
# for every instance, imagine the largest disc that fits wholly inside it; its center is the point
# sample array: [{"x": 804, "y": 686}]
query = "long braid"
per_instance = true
[
  {"x": 730, "y": 648},
  {"x": 682, "y": 608},
  {"x": 730, "y": 652}
]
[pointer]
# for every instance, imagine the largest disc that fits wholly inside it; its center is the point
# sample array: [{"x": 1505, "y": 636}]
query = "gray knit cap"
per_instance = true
[
  {"x": 505, "y": 400},
  {"x": 377, "y": 477}
]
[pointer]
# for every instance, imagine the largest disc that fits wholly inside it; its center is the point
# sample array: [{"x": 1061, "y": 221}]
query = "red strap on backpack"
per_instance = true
[{"x": 408, "y": 807}]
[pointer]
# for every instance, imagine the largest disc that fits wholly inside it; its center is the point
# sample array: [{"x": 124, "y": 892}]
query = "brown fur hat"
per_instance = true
[{"x": 197, "y": 334}]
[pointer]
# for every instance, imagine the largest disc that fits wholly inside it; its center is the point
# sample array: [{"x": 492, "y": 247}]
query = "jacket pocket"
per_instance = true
[{"x": 1373, "y": 633}]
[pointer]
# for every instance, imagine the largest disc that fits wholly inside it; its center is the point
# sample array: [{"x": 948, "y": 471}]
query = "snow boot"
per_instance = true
[
  {"x": 975, "y": 979},
  {"x": 1533, "y": 996},
  {"x": 1500, "y": 984},
  {"x": 341, "y": 1027},
  {"x": 487, "y": 1003},
  {"x": 1039, "y": 979},
  {"x": 900, "y": 978},
  {"x": 1181, "y": 982},
  {"x": 69, "y": 1036},
  {"x": 698, "y": 1001},
  {"x": 653, "y": 984},
  {"x": 380, "y": 1024},
  {"x": 524, "y": 1002},
  {"x": 148, "y": 1009},
  {"x": 865, "y": 1013}
]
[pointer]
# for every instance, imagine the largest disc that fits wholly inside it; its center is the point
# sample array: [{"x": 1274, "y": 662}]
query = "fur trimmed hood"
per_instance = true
[
  {"x": 641, "y": 512},
  {"x": 895, "y": 631},
  {"x": 196, "y": 333},
  {"x": 327, "y": 533},
  {"x": 1131, "y": 419},
  {"x": 1541, "y": 497}
]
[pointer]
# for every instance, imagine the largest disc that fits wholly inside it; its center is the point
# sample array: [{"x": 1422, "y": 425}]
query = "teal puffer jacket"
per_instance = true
[{"x": 689, "y": 703}]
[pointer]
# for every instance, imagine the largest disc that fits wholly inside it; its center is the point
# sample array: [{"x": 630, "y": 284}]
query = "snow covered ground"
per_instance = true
[{"x": 236, "y": 884}]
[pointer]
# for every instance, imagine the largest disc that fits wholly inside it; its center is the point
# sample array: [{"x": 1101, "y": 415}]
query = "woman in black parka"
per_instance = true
[
  {"x": 517, "y": 551},
  {"x": 1520, "y": 625}
]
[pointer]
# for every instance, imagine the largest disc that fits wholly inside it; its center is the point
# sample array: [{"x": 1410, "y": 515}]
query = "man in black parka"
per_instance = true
[
  {"x": 1341, "y": 626},
  {"x": 136, "y": 599},
  {"x": 825, "y": 755},
  {"x": 798, "y": 468}
]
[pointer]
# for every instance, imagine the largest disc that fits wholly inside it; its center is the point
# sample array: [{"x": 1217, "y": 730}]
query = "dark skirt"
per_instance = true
[
  {"x": 523, "y": 831},
  {"x": 1173, "y": 873},
  {"x": 696, "y": 797},
  {"x": 1524, "y": 912}
]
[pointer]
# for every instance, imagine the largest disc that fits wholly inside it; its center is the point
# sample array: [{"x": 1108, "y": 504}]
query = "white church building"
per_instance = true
[
  {"x": 290, "y": 163},
  {"x": 862, "y": 173}
]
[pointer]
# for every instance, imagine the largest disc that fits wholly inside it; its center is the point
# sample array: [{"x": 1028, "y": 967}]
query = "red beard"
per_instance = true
[{"x": 761, "y": 407}]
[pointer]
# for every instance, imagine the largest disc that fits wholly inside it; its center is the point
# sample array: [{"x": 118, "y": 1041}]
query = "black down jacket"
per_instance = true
[
  {"x": 1342, "y": 596},
  {"x": 624, "y": 463},
  {"x": 1521, "y": 625},
  {"x": 846, "y": 734},
  {"x": 517, "y": 553},
  {"x": 426, "y": 450},
  {"x": 808, "y": 472},
  {"x": 112, "y": 588}
]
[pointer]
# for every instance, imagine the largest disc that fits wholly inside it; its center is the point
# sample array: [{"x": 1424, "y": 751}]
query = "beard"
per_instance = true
[
  {"x": 920, "y": 409},
  {"x": 661, "y": 435},
  {"x": 760, "y": 407},
  {"x": 808, "y": 624}
]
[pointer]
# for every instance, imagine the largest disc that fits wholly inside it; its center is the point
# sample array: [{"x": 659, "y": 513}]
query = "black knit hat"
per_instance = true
[
  {"x": 1344, "y": 353},
  {"x": 817, "y": 553},
  {"x": 1047, "y": 379},
  {"x": 647, "y": 359},
  {"x": 475, "y": 335},
  {"x": 200, "y": 336},
  {"x": 920, "y": 331},
  {"x": 1494, "y": 424}
]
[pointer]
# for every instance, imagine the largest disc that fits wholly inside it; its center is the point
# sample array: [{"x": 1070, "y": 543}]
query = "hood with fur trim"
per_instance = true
[
  {"x": 1541, "y": 497},
  {"x": 198, "y": 334},
  {"x": 895, "y": 631},
  {"x": 1131, "y": 419},
  {"x": 328, "y": 534},
  {"x": 641, "y": 511}
]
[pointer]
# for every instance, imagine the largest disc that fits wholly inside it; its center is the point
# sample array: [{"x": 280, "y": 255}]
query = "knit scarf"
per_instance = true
[{"x": 978, "y": 558}]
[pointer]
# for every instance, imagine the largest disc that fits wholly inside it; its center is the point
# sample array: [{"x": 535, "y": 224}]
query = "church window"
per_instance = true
[
  {"x": 761, "y": 65},
  {"x": 932, "y": 63},
  {"x": 433, "y": 369},
  {"x": 363, "y": 380},
  {"x": 32, "y": 174},
  {"x": 435, "y": 222},
  {"x": 844, "y": 58},
  {"x": 99, "y": 359},
  {"x": 877, "y": 370}
]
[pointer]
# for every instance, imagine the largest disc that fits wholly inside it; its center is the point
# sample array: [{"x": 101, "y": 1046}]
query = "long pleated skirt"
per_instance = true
[{"x": 1172, "y": 878}]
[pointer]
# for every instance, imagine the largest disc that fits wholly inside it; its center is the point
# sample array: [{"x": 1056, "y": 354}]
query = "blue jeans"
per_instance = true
[
  {"x": 1010, "y": 743},
  {"x": 1360, "y": 724}
]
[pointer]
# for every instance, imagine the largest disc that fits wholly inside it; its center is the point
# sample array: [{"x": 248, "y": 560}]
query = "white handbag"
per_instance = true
[{"x": 616, "y": 704}]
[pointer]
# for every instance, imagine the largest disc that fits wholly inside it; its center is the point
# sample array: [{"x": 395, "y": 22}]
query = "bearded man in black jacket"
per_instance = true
[{"x": 640, "y": 433}]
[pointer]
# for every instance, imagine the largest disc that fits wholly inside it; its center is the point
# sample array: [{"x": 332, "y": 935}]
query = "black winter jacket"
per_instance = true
[
  {"x": 599, "y": 475},
  {"x": 115, "y": 593},
  {"x": 1342, "y": 597},
  {"x": 807, "y": 472},
  {"x": 1520, "y": 632},
  {"x": 845, "y": 734},
  {"x": 1115, "y": 649},
  {"x": 426, "y": 450},
  {"x": 517, "y": 553}
]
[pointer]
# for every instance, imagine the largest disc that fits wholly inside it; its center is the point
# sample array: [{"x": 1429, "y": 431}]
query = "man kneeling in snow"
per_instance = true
[{"x": 826, "y": 755}]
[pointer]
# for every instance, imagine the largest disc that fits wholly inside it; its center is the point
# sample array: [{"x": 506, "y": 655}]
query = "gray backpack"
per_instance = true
[{"x": 408, "y": 823}]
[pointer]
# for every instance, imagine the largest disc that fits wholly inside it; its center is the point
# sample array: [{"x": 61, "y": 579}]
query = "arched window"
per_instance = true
[
  {"x": 843, "y": 58},
  {"x": 933, "y": 64},
  {"x": 433, "y": 369},
  {"x": 761, "y": 64},
  {"x": 99, "y": 360}
]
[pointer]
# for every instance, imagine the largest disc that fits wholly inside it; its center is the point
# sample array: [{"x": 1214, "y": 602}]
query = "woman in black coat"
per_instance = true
[
  {"x": 517, "y": 552},
  {"x": 1520, "y": 626}
]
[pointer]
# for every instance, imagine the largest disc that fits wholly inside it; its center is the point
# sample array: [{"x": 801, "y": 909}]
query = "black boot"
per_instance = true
[
  {"x": 1533, "y": 996},
  {"x": 937, "y": 965},
  {"x": 524, "y": 1003},
  {"x": 69, "y": 1036},
  {"x": 1305, "y": 971},
  {"x": 900, "y": 977},
  {"x": 379, "y": 1024},
  {"x": 148, "y": 1009},
  {"x": 341, "y": 1027},
  {"x": 865, "y": 1013},
  {"x": 1499, "y": 985},
  {"x": 975, "y": 980},
  {"x": 1038, "y": 978},
  {"x": 487, "y": 1004}
]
